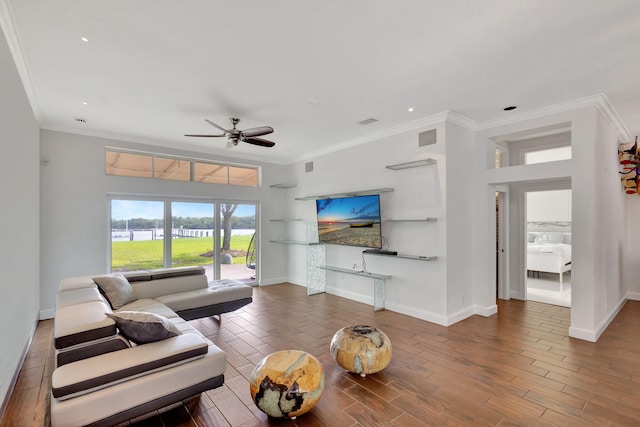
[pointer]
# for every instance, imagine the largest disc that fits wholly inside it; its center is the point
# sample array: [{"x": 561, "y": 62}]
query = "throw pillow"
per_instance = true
[
  {"x": 116, "y": 288},
  {"x": 142, "y": 327}
]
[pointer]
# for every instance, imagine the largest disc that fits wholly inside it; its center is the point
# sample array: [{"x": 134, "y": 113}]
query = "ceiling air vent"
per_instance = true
[{"x": 368, "y": 121}]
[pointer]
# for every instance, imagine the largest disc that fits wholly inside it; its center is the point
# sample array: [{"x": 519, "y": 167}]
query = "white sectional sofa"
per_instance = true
[{"x": 124, "y": 347}]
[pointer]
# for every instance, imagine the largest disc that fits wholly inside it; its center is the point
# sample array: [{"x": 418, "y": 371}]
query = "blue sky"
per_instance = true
[
  {"x": 127, "y": 209},
  {"x": 348, "y": 208}
]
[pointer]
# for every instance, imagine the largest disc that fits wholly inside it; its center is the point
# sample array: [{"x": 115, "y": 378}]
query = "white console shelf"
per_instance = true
[{"x": 378, "y": 282}]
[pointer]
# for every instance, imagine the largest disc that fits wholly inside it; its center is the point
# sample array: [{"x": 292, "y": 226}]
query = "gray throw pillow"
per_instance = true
[
  {"x": 142, "y": 327},
  {"x": 116, "y": 288}
]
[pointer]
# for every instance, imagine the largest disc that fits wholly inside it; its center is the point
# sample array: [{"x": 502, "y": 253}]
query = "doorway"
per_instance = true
[{"x": 548, "y": 259}]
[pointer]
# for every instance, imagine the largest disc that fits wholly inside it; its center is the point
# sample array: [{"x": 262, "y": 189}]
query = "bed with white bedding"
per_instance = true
[{"x": 549, "y": 252}]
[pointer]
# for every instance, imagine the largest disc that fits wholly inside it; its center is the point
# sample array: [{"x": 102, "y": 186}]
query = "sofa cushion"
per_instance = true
[
  {"x": 218, "y": 291},
  {"x": 142, "y": 327},
  {"x": 80, "y": 323},
  {"x": 96, "y": 372},
  {"x": 116, "y": 288},
  {"x": 150, "y": 306},
  {"x": 169, "y": 285},
  {"x": 164, "y": 273},
  {"x": 78, "y": 296}
]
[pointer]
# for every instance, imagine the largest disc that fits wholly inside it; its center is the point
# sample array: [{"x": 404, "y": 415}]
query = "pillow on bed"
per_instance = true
[
  {"x": 549, "y": 238},
  {"x": 142, "y": 327}
]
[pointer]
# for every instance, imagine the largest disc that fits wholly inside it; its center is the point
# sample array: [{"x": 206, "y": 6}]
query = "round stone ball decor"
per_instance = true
[
  {"x": 286, "y": 384},
  {"x": 361, "y": 349}
]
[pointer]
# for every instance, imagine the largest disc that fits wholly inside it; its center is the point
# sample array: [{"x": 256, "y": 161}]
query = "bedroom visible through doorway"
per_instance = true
[{"x": 548, "y": 246}]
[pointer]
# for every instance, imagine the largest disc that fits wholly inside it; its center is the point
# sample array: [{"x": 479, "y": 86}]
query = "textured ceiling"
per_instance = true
[{"x": 153, "y": 70}]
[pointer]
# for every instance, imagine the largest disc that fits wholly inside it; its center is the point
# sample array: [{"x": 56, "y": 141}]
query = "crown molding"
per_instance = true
[
  {"x": 114, "y": 138},
  {"x": 8, "y": 26},
  {"x": 427, "y": 121},
  {"x": 611, "y": 116},
  {"x": 599, "y": 101}
]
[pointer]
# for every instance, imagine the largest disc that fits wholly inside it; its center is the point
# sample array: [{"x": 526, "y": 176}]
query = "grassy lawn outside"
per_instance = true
[{"x": 148, "y": 254}]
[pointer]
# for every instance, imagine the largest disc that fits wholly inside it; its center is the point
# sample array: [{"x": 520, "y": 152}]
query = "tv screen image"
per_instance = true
[{"x": 352, "y": 221}]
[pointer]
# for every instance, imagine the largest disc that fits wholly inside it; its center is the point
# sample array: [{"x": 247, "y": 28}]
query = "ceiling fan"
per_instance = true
[{"x": 234, "y": 135}]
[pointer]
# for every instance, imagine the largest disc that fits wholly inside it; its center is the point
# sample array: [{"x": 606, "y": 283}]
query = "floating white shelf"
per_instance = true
[
  {"x": 287, "y": 220},
  {"x": 348, "y": 194},
  {"x": 405, "y": 256},
  {"x": 294, "y": 242},
  {"x": 413, "y": 164},
  {"x": 411, "y": 219},
  {"x": 283, "y": 186}
]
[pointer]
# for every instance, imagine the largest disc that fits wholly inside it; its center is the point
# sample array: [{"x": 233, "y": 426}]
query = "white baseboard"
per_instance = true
[
  {"x": 486, "y": 311},
  {"x": 633, "y": 296},
  {"x": 272, "y": 281},
  {"x": 47, "y": 314},
  {"x": 350, "y": 295},
  {"x": 418, "y": 314},
  {"x": 594, "y": 335}
]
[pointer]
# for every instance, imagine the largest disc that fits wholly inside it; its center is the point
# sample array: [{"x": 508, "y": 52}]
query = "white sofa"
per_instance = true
[{"x": 124, "y": 354}]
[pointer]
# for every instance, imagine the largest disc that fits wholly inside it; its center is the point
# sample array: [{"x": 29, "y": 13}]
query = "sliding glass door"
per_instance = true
[
  {"x": 237, "y": 229},
  {"x": 218, "y": 236},
  {"x": 193, "y": 237}
]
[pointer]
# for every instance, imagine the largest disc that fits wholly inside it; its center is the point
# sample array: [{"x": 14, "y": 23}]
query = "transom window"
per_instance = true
[{"x": 140, "y": 164}]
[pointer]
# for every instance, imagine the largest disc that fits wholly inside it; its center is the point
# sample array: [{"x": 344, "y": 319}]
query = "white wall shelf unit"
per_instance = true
[
  {"x": 412, "y": 164},
  {"x": 378, "y": 282},
  {"x": 348, "y": 194}
]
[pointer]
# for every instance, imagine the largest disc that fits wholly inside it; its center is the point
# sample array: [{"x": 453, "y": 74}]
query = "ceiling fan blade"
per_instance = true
[
  {"x": 259, "y": 141},
  {"x": 215, "y": 125},
  {"x": 259, "y": 131},
  {"x": 204, "y": 136}
]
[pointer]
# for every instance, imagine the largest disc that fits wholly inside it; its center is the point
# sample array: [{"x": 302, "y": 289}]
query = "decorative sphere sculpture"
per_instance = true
[
  {"x": 361, "y": 349},
  {"x": 287, "y": 383}
]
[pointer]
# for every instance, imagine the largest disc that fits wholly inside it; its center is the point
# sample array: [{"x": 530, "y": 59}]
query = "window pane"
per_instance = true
[
  {"x": 549, "y": 155},
  {"x": 137, "y": 231},
  {"x": 127, "y": 164},
  {"x": 243, "y": 176},
  {"x": 192, "y": 229},
  {"x": 210, "y": 172},
  {"x": 177, "y": 170}
]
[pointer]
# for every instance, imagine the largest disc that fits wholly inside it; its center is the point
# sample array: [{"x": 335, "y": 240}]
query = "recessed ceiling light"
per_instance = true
[
  {"x": 314, "y": 101},
  {"x": 410, "y": 109},
  {"x": 510, "y": 107},
  {"x": 85, "y": 103},
  {"x": 84, "y": 39}
]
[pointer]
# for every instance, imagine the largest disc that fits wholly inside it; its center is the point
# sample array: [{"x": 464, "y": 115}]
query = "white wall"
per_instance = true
[
  {"x": 19, "y": 216},
  {"x": 552, "y": 205},
  {"x": 438, "y": 291},
  {"x": 597, "y": 213},
  {"x": 74, "y": 214}
]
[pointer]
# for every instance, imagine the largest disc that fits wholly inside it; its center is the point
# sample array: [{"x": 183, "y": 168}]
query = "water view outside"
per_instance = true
[
  {"x": 353, "y": 221},
  {"x": 138, "y": 236}
]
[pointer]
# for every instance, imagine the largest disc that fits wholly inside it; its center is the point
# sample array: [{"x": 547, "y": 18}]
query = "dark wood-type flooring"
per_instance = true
[{"x": 518, "y": 367}]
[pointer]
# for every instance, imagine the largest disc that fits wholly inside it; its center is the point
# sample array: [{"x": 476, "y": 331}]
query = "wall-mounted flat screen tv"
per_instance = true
[{"x": 351, "y": 221}]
